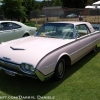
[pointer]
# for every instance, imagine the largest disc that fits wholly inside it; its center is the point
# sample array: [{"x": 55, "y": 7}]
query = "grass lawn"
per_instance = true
[{"x": 81, "y": 82}]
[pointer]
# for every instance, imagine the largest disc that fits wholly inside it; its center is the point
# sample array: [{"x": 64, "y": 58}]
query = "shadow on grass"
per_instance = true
[{"x": 26, "y": 86}]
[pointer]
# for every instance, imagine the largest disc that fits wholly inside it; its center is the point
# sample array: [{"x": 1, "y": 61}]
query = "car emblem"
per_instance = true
[{"x": 6, "y": 58}]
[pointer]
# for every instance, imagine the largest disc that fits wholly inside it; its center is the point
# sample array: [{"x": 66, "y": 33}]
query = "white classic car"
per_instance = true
[
  {"x": 71, "y": 16},
  {"x": 46, "y": 54},
  {"x": 12, "y": 30}
]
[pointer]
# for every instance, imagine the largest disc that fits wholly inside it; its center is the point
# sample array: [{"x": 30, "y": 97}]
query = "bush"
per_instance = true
[{"x": 30, "y": 24}]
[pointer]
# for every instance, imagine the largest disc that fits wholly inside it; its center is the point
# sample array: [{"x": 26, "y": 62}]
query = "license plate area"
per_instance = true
[{"x": 10, "y": 73}]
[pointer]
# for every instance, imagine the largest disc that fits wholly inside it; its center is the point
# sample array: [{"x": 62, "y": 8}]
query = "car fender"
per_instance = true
[
  {"x": 48, "y": 63},
  {"x": 63, "y": 54},
  {"x": 26, "y": 32},
  {"x": 44, "y": 70}
]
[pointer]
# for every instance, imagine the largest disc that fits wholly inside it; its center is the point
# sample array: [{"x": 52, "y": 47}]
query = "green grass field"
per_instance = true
[{"x": 81, "y": 82}]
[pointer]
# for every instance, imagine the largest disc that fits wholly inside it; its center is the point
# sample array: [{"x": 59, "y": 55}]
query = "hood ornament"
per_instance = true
[{"x": 16, "y": 48}]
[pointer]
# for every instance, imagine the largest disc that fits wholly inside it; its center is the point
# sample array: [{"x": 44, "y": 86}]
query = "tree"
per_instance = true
[
  {"x": 90, "y": 2},
  {"x": 79, "y": 3},
  {"x": 57, "y": 3},
  {"x": 29, "y": 6},
  {"x": 43, "y": 3},
  {"x": 74, "y": 3},
  {"x": 13, "y": 9}
]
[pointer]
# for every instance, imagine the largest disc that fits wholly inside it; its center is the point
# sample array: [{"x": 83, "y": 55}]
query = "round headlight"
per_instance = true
[
  {"x": 26, "y": 67},
  {"x": 31, "y": 68}
]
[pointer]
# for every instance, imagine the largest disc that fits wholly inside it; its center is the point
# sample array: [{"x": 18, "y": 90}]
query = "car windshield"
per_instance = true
[{"x": 56, "y": 30}]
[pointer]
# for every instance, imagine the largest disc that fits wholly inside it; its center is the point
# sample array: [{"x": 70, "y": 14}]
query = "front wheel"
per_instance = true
[
  {"x": 25, "y": 35},
  {"x": 60, "y": 69}
]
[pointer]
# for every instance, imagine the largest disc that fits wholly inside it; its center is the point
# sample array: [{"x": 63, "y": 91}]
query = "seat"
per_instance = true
[{"x": 67, "y": 34}]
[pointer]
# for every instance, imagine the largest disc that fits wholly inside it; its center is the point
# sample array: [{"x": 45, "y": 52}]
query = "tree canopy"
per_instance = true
[
  {"x": 57, "y": 3},
  {"x": 20, "y": 9},
  {"x": 13, "y": 9},
  {"x": 29, "y": 5},
  {"x": 76, "y": 3}
]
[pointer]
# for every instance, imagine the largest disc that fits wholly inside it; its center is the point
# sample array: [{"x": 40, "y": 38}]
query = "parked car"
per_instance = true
[
  {"x": 50, "y": 51},
  {"x": 12, "y": 30},
  {"x": 72, "y": 15}
]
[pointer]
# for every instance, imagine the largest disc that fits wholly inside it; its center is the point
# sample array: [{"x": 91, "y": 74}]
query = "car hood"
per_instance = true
[{"x": 30, "y": 49}]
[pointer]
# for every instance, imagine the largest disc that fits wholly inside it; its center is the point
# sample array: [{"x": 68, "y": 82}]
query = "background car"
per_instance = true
[
  {"x": 72, "y": 15},
  {"x": 55, "y": 46},
  {"x": 12, "y": 30}
]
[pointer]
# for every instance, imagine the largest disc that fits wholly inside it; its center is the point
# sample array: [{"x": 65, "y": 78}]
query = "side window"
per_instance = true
[
  {"x": 15, "y": 26},
  {"x": 6, "y": 26},
  {"x": 82, "y": 30}
]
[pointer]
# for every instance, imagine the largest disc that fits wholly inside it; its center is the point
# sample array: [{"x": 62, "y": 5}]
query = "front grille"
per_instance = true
[{"x": 10, "y": 66}]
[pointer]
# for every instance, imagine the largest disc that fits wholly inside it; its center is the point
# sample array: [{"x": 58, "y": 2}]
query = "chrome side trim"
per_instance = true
[
  {"x": 83, "y": 47},
  {"x": 49, "y": 65}
]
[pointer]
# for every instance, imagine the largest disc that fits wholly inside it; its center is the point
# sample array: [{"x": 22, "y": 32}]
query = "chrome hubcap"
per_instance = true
[{"x": 61, "y": 67}]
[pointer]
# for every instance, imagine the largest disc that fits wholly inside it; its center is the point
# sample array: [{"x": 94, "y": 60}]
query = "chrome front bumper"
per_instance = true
[{"x": 14, "y": 69}]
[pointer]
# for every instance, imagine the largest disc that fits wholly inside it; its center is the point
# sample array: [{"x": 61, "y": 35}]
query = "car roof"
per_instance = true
[
  {"x": 72, "y": 22},
  {"x": 77, "y": 23},
  {"x": 17, "y": 22},
  {"x": 8, "y": 21}
]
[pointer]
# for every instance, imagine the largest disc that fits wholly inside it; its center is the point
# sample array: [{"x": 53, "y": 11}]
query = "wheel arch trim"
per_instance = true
[{"x": 66, "y": 56}]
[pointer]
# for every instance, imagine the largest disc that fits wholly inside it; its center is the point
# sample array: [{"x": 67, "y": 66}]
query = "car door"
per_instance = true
[
  {"x": 95, "y": 38},
  {"x": 84, "y": 39},
  {"x": 6, "y": 32},
  {"x": 18, "y": 30}
]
